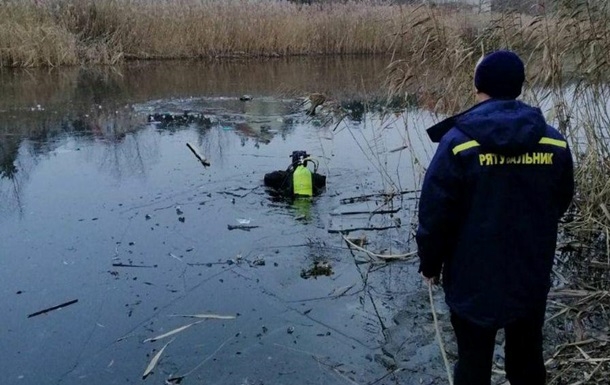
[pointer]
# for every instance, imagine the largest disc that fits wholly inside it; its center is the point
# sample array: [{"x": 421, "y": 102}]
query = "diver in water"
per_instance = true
[{"x": 298, "y": 180}]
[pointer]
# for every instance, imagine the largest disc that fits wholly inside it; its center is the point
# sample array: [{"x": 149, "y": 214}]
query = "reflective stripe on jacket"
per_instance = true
[{"x": 498, "y": 184}]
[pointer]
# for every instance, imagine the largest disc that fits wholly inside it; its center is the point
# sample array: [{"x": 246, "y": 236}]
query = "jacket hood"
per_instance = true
[{"x": 502, "y": 126}]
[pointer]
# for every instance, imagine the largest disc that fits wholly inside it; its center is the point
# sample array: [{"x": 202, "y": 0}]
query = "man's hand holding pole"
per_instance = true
[{"x": 429, "y": 280}]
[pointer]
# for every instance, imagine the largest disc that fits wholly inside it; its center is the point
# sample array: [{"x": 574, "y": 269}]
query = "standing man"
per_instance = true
[{"x": 497, "y": 186}]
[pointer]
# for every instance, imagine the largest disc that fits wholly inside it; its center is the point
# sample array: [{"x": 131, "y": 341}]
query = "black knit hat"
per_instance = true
[{"x": 500, "y": 75}]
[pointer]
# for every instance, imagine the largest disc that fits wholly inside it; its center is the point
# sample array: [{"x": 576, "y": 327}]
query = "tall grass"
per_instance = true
[
  {"x": 567, "y": 54},
  {"x": 58, "y": 32}
]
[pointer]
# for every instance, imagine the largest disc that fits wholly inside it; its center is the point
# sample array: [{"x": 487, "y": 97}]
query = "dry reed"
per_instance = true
[
  {"x": 567, "y": 53},
  {"x": 59, "y": 32}
]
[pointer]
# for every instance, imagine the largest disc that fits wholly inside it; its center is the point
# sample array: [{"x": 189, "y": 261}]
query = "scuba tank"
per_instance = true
[
  {"x": 302, "y": 177},
  {"x": 301, "y": 181}
]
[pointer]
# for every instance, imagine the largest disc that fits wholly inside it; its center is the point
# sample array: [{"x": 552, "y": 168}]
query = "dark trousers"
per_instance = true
[{"x": 523, "y": 352}]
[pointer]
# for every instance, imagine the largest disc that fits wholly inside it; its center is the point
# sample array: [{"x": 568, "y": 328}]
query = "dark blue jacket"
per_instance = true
[{"x": 498, "y": 184}]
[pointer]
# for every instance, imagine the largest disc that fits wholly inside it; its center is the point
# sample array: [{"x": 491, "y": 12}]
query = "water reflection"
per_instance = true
[
  {"x": 108, "y": 105},
  {"x": 259, "y": 119},
  {"x": 133, "y": 83},
  {"x": 90, "y": 185}
]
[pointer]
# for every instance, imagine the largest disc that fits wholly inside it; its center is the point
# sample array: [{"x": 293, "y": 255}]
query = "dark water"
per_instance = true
[{"x": 99, "y": 205}]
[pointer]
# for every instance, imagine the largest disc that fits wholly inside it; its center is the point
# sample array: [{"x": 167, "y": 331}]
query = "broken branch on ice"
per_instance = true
[
  {"x": 204, "y": 316},
  {"x": 203, "y": 160},
  {"x": 385, "y": 257},
  {"x": 44, "y": 311},
  {"x": 241, "y": 227}
]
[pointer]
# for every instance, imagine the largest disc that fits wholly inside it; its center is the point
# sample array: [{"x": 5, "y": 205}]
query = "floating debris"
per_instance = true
[
  {"x": 172, "y": 332},
  {"x": 318, "y": 269},
  {"x": 204, "y": 316},
  {"x": 315, "y": 100},
  {"x": 53, "y": 308},
  {"x": 175, "y": 257},
  {"x": 368, "y": 228},
  {"x": 241, "y": 227},
  {"x": 132, "y": 265},
  {"x": 384, "y": 257},
  {"x": 258, "y": 262},
  {"x": 404, "y": 147},
  {"x": 366, "y": 212},
  {"x": 361, "y": 241},
  {"x": 386, "y": 196},
  {"x": 202, "y": 159},
  {"x": 154, "y": 361},
  {"x": 168, "y": 119}
]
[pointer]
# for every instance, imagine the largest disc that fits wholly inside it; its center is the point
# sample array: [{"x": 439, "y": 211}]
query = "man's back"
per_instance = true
[
  {"x": 492, "y": 198},
  {"x": 491, "y": 201}
]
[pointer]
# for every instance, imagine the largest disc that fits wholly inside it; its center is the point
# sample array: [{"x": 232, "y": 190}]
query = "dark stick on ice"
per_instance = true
[
  {"x": 53, "y": 308},
  {"x": 131, "y": 265},
  {"x": 203, "y": 161}
]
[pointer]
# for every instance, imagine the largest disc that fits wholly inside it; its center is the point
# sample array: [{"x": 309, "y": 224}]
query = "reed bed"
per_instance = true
[
  {"x": 66, "y": 32},
  {"x": 567, "y": 53}
]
